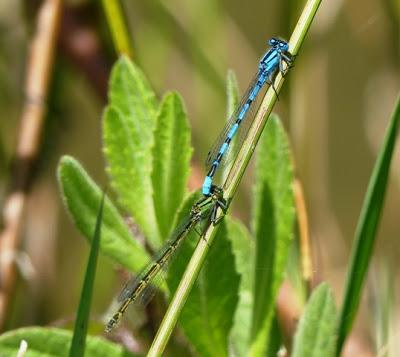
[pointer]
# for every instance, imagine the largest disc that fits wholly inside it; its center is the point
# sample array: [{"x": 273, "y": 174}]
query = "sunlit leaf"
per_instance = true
[
  {"x": 316, "y": 332},
  {"x": 128, "y": 125},
  {"x": 82, "y": 198},
  {"x": 273, "y": 222},
  {"x": 54, "y": 342}
]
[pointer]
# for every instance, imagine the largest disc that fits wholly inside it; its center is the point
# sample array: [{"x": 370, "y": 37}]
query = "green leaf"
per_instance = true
[
  {"x": 273, "y": 222},
  {"x": 315, "y": 335},
  {"x": 82, "y": 319},
  {"x": 243, "y": 250},
  {"x": 171, "y": 160},
  {"x": 383, "y": 306},
  {"x": 207, "y": 316},
  {"x": 54, "y": 342},
  {"x": 82, "y": 198},
  {"x": 275, "y": 339},
  {"x": 128, "y": 125},
  {"x": 232, "y": 93},
  {"x": 366, "y": 230}
]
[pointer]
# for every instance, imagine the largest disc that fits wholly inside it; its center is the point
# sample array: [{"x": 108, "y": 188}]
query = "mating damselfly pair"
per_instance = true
[{"x": 276, "y": 59}]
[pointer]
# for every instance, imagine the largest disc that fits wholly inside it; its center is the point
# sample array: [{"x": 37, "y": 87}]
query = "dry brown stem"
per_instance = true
[{"x": 38, "y": 72}]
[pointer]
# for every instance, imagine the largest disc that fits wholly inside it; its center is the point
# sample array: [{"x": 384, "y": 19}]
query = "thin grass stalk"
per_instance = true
[{"x": 118, "y": 27}]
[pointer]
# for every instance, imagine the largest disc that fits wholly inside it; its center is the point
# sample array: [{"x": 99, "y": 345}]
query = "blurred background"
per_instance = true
[{"x": 335, "y": 106}]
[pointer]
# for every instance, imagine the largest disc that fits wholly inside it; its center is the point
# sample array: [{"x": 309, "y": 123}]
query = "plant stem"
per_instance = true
[
  {"x": 118, "y": 27},
  {"x": 229, "y": 187},
  {"x": 304, "y": 238},
  {"x": 39, "y": 72}
]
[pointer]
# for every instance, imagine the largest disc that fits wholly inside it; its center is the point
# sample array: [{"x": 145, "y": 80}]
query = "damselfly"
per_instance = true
[
  {"x": 277, "y": 58},
  {"x": 140, "y": 287}
]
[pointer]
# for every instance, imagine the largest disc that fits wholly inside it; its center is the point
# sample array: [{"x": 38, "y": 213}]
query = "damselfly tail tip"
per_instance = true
[{"x": 113, "y": 322}]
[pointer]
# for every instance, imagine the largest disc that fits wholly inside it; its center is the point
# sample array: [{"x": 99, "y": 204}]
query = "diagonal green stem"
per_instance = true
[
  {"x": 119, "y": 30},
  {"x": 230, "y": 186}
]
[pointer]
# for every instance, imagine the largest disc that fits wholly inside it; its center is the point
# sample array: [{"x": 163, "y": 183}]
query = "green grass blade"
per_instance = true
[
  {"x": 55, "y": 342},
  {"x": 366, "y": 230},
  {"x": 315, "y": 335},
  {"x": 82, "y": 198},
  {"x": 82, "y": 318}
]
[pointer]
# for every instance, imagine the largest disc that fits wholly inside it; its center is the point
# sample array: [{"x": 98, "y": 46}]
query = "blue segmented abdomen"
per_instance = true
[
  {"x": 233, "y": 130},
  {"x": 223, "y": 148},
  {"x": 207, "y": 186},
  {"x": 206, "y": 189},
  {"x": 267, "y": 67}
]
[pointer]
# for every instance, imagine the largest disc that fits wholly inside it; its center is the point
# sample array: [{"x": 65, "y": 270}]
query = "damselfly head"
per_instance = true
[{"x": 278, "y": 44}]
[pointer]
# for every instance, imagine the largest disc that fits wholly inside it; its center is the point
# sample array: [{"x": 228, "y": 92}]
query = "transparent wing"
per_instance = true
[
  {"x": 140, "y": 289},
  {"x": 145, "y": 280},
  {"x": 242, "y": 130},
  {"x": 222, "y": 136}
]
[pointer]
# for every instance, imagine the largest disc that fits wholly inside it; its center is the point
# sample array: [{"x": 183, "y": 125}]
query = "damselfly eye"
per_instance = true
[
  {"x": 272, "y": 42},
  {"x": 284, "y": 46}
]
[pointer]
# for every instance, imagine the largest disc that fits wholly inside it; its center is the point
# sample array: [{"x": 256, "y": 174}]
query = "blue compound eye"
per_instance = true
[
  {"x": 284, "y": 46},
  {"x": 272, "y": 41}
]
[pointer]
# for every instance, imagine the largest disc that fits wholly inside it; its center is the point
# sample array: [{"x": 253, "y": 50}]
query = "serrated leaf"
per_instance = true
[
  {"x": 171, "y": 160},
  {"x": 316, "y": 332},
  {"x": 131, "y": 93},
  {"x": 243, "y": 250},
  {"x": 273, "y": 221},
  {"x": 207, "y": 316},
  {"x": 54, "y": 342},
  {"x": 82, "y": 198},
  {"x": 128, "y": 125},
  {"x": 82, "y": 319},
  {"x": 367, "y": 227}
]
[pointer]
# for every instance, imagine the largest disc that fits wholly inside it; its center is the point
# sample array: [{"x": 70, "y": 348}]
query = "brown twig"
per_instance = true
[
  {"x": 38, "y": 72},
  {"x": 304, "y": 235}
]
